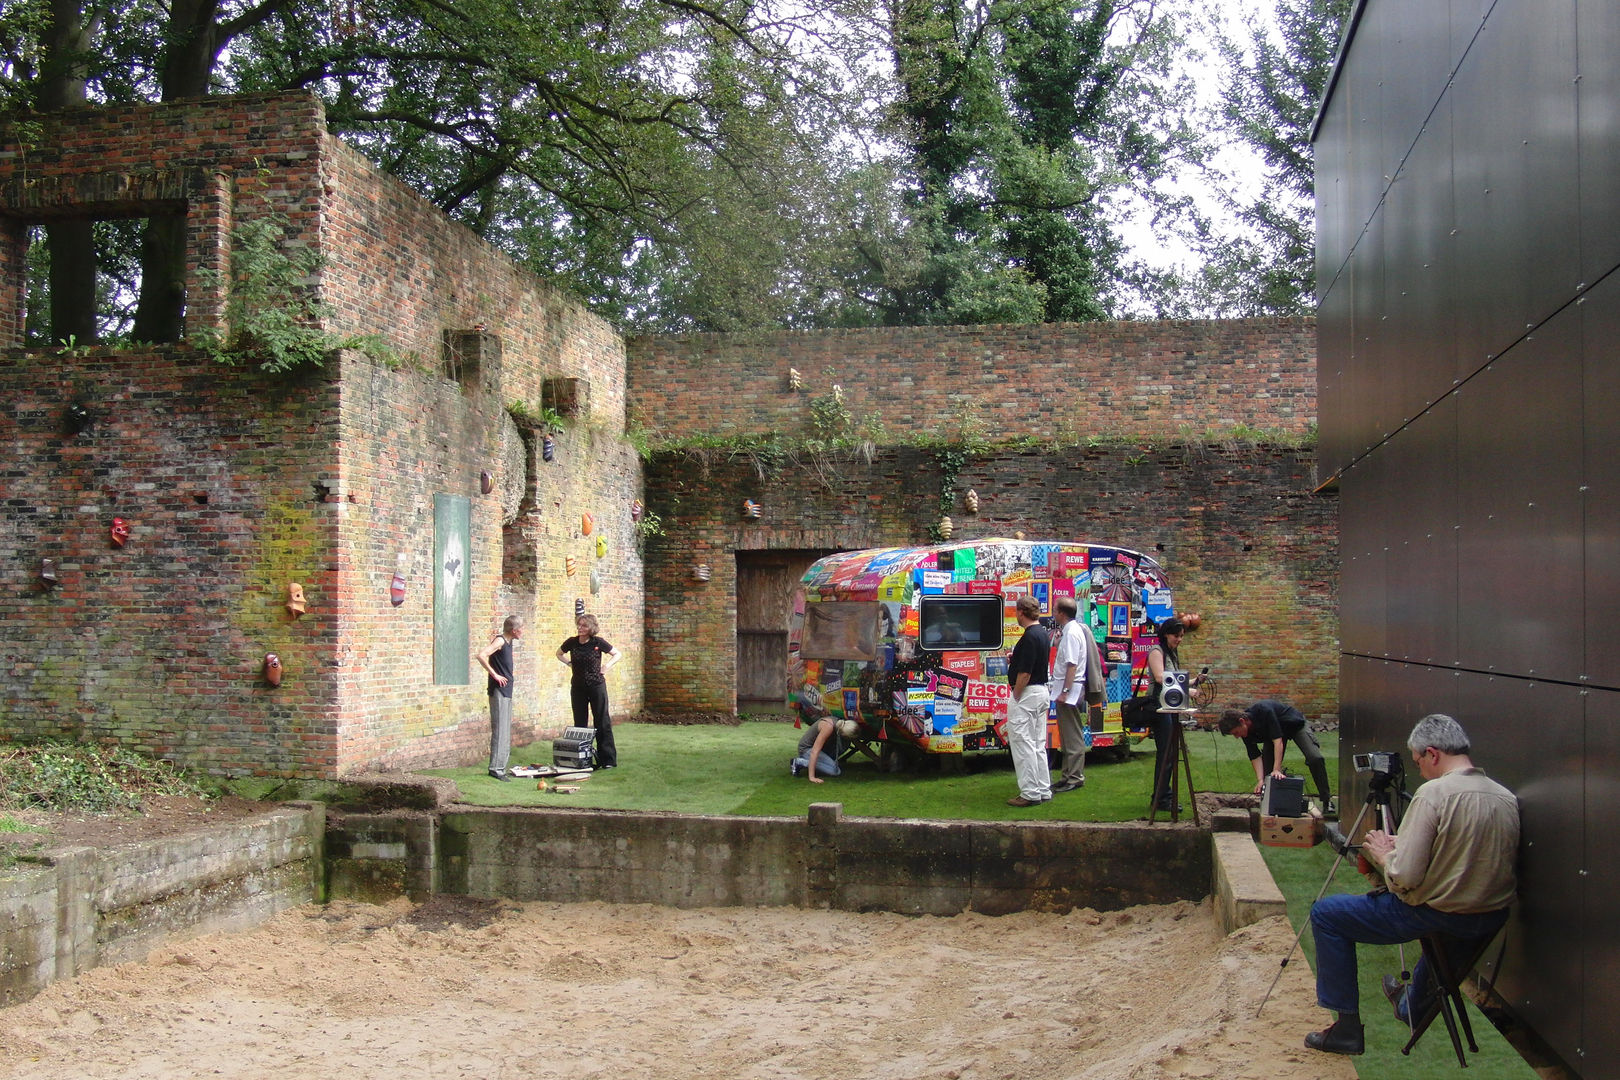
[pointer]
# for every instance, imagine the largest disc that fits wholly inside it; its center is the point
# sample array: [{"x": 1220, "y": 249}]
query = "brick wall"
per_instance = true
[
  {"x": 1244, "y": 542},
  {"x": 236, "y": 483},
  {"x": 159, "y": 644},
  {"x": 1059, "y": 380}
]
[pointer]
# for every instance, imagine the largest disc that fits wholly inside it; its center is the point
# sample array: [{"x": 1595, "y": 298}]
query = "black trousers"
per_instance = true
[
  {"x": 1164, "y": 760},
  {"x": 593, "y": 697}
]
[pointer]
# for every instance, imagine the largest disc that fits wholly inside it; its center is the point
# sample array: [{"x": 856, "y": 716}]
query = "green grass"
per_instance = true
[
  {"x": 1300, "y": 874},
  {"x": 744, "y": 770}
]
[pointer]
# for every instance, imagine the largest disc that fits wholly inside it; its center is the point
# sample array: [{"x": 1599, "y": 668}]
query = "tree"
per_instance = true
[
  {"x": 1022, "y": 119},
  {"x": 1273, "y": 85}
]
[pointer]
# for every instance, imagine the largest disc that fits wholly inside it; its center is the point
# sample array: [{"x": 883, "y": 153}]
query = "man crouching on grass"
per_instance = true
[{"x": 1449, "y": 872}]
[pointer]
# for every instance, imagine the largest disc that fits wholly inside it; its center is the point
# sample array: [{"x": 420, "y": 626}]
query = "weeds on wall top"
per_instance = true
[
  {"x": 85, "y": 777},
  {"x": 272, "y": 310}
]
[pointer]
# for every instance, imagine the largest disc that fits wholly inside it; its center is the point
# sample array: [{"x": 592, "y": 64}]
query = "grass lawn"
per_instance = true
[{"x": 744, "y": 770}]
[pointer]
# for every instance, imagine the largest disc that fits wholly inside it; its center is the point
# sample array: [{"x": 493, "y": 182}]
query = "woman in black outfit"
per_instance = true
[
  {"x": 1161, "y": 658},
  {"x": 585, "y": 653}
]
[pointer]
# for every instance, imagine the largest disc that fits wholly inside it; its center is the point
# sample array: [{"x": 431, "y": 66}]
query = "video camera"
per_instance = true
[{"x": 1386, "y": 769}]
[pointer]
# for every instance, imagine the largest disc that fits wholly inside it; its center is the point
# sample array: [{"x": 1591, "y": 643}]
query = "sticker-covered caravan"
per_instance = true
[{"x": 912, "y": 643}]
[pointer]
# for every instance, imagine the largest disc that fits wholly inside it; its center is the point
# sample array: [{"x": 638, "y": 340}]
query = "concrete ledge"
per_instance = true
[
  {"x": 1244, "y": 889},
  {"x": 85, "y": 907},
  {"x": 823, "y": 860}
]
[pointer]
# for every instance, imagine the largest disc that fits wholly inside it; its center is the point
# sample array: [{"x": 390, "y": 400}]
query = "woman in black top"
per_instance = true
[
  {"x": 1161, "y": 658},
  {"x": 585, "y": 653}
]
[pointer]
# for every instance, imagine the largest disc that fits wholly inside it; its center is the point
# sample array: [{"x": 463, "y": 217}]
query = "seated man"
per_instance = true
[
  {"x": 1449, "y": 872},
  {"x": 1265, "y": 728}
]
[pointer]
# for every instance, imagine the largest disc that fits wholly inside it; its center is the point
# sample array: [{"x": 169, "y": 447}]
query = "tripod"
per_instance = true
[
  {"x": 1174, "y": 754},
  {"x": 1383, "y": 791}
]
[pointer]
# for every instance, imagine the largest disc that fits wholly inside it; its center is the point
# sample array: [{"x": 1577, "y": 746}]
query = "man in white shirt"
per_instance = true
[{"x": 1067, "y": 688}]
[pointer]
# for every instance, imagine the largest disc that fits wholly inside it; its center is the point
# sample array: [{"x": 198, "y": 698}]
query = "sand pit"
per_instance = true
[{"x": 601, "y": 990}]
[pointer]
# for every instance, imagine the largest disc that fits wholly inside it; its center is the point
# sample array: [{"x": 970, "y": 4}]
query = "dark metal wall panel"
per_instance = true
[
  {"x": 1332, "y": 357},
  {"x": 1543, "y": 44},
  {"x": 1362, "y": 85},
  {"x": 1598, "y": 97},
  {"x": 1362, "y": 590},
  {"x": 1364, "y": 379},
  {"x": 1416, "y": 39},
  {"x": 1421, "y": 568},
  {"x": 1519, "y": 553},
  {"x": 1600, "y": 318},
  {"x": 1334, "y": 233},
  {"x": 1420, "y": 280},
  {"x": 1467, "y": 17},
  {"x": 1490, "y": 124},
  {"x": 1529, "y": 736},
  {"x": 1600, "y": 1042}
]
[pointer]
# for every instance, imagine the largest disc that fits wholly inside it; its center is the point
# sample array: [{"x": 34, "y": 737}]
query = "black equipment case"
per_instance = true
[{"x": 575, "y": 748}]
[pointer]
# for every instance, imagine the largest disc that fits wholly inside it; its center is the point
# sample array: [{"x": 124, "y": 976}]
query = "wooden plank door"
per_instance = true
[{"x": 766, "y": 582}]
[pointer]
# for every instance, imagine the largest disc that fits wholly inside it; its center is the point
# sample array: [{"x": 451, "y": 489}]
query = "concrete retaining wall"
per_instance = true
[
  {"x": 85, "y": 907},
  {"x": 88, "y": 907},
  {"x": 825, "y": 860}
]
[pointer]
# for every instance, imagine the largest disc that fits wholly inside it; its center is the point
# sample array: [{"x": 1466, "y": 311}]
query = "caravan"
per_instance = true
[{"x": 912, "y": 643}]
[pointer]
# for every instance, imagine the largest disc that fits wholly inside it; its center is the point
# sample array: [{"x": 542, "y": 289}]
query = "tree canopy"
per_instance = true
[{"x": 698, "y": 164}]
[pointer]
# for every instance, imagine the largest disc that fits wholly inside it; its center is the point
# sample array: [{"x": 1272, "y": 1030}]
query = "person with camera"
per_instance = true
[
  {"x": 1265, "y": 728},
  {"x": 1450, "y": 872}
]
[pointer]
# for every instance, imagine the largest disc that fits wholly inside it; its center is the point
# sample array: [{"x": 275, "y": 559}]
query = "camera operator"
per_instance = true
[{"x": 1449, "y": 872}]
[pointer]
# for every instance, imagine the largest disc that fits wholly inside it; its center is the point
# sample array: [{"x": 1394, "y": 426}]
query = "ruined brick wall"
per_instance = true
[
  {"x": 159, "y": 644},
  {"x": 331, "y": 476},
  {"x": 1244, "y": 542},
  {"x": 1138, "y": 378}
]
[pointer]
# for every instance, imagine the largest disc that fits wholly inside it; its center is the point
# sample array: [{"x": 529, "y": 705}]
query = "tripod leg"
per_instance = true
[{"x": 1186, "y": 766}]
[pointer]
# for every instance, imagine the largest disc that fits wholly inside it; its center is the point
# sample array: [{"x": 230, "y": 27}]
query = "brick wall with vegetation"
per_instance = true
[
  {"x": 1243, "y": 539},
  {"x": 1064, "y": 381},
  {"x": 458, "y": 363}
]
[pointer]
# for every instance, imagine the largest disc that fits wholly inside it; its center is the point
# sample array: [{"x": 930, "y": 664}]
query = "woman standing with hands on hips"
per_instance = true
[{"x": 590, "y": 657}]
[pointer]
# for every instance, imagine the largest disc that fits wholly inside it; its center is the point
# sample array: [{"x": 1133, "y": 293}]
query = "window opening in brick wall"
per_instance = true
[{"x": 84, "y": 281}]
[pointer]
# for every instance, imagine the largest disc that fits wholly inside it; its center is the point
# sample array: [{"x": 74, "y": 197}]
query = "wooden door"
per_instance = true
[{"x": 766, "y": 582}]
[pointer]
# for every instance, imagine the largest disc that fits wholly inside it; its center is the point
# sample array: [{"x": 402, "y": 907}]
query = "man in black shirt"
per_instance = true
[
  {"x": 1027, "y": 673},
  {"x": 1264, "y": 727}
]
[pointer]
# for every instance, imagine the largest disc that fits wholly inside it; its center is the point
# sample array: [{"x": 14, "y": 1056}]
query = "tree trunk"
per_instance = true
[
  {"x": 66, "y": 41},
  {"x": 160, "y": 313}
]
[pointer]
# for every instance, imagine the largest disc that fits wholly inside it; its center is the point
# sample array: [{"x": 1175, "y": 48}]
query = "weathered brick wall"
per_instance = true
[
  {"x": 327, "y": 479},
  {"x": 1140, "y": 378},
  {"x": 159, "y": 644},
  {"x": 1244, "y": 542}
]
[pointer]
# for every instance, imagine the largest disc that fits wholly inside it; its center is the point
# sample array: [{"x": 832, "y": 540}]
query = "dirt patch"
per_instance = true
[
  {"x": 686, "y": 719},
  {"x": 603, "y": 990},
  {"x": 161, "y": 816}
]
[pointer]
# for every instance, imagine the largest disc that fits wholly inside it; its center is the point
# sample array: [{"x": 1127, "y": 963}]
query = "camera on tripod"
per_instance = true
[{"x": 1385, "y": 767}]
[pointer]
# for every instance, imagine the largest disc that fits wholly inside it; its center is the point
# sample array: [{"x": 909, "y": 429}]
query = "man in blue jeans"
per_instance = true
[{"x": 1449, "y": 872}]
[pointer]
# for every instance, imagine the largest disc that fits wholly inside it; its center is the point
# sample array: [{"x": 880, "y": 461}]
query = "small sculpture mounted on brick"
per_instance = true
[
  {"x": 272, "y": 669},
  {"x": 295, "y": 599},
  {"x": 119, "y": 532}
]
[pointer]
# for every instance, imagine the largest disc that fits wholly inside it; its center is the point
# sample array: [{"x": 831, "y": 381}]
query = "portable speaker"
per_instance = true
[{"x": 1173, "y": 694}]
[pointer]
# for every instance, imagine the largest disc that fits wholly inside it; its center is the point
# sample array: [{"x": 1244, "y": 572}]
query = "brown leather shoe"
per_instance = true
[{"x": 1019, "y": 800}]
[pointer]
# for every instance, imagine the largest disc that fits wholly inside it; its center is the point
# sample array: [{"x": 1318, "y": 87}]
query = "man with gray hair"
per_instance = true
[
  {"x": 1066, "y": 688},
  {"x": 1449, "y": 873}
]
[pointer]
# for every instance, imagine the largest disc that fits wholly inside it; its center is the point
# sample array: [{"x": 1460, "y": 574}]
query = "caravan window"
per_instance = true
[
  {"x": 840, "y": 631},
  {"x": 946, "y": 623}
]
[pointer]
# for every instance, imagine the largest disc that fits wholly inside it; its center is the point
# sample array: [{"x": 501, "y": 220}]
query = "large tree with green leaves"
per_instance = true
[
  {"x": 1273, "y": 83},
  {"x": 1022, "y": 121}
]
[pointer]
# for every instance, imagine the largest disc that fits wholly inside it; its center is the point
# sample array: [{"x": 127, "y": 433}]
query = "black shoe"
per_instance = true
[
  {"x": 1395, "y": 991},
  {"x": 502, "y": 777},
  {"x": 1337, "y": 1038},
  {"x": 609, "y": 766},
  {"x": 1058, "y": 789}
]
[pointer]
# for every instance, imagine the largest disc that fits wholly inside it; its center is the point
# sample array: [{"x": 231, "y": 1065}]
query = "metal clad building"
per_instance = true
[{"x": 1468, "y": 212}]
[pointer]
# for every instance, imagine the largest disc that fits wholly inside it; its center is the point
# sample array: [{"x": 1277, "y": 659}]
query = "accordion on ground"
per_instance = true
[{"x": 575, "y": 748}]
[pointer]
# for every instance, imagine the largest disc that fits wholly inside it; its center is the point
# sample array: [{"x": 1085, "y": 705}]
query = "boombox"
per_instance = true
[{"x": 575, "y": 748}]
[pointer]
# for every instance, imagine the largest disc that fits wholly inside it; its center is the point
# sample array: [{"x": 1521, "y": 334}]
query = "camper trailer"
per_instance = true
[{"x": 912, "y": 643}]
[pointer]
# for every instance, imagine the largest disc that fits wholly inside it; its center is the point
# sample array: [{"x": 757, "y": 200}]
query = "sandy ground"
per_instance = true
[{"x": 599, "y": 990}]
